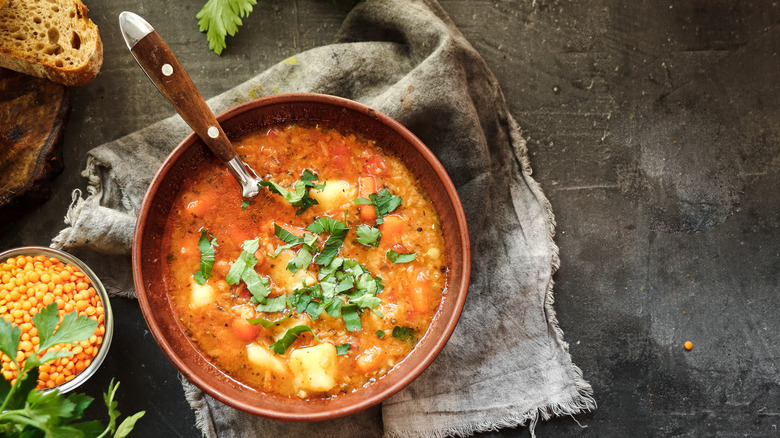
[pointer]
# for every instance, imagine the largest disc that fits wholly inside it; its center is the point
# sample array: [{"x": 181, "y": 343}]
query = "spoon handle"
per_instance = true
[{"x": 158, "y": 61}]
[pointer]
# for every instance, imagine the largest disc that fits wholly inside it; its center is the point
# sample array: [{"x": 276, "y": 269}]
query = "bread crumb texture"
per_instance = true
[{"x": 53, "y": 39}]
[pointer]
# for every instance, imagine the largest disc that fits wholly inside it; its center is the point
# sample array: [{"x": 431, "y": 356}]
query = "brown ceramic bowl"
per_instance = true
[{"x": 184, "y": 160}]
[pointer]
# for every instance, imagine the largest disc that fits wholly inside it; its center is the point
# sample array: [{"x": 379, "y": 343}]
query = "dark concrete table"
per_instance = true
[{"x": 654, "y": 129}]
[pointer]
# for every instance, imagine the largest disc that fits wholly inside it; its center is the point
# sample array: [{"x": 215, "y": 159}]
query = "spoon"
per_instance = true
[{"x": 162, "y": 67}]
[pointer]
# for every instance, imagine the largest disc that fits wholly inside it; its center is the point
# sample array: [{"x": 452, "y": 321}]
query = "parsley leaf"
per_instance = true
[
  {"x": 299, "y": 197},
  {"x": 272, "y": 305},
  {"x": 220, "y": 18},
  {"x": 404, "y": 334},
  {"x": 380, "y": 334},
  {"x": 368, "y": 235},
  {"x": 244, "y": 204},
  {"x": 351, "y": 317},
  {"x": 384, "y": 202},
  {"x": 400, "y": 258},
  {"x": 338, "y": 231},
  {"x": 207, "y": 249},
  {"x": 342, "y": 349},
  {"x": 244, "y": 269},
  {"x": 265, "y": 323},
  {"x": 280, "y": 346}
]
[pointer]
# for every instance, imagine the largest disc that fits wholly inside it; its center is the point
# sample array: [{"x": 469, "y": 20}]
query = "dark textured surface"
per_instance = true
[{"x": 652, "y": 127}]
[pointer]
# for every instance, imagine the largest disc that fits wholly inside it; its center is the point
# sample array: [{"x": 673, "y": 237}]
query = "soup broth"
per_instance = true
[{"x": 321, "y": 283}]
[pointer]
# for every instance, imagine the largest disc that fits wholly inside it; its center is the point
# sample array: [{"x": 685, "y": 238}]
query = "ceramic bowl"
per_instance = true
[
  {"x": 252, "y": 116},
  {"x": 108, "y": 318}
]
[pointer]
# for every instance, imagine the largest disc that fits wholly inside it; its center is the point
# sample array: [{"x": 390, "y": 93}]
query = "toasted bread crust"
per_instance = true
[{"x": 53, "y": 40}]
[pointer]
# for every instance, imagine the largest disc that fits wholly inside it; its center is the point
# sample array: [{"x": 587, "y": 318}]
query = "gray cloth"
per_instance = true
[{"x": 506, "y": 363}]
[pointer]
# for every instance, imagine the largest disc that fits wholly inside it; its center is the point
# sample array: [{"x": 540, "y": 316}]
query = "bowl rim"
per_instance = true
[
  {"x": 364, "y": 402},
  {"x": 108, "y": 319}
]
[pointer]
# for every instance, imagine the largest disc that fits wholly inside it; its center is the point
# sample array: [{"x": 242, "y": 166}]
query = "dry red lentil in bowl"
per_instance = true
[{"x": 32, "y": 278}]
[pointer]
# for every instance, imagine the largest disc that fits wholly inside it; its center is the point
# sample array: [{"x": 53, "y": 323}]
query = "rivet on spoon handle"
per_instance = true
[{"x": 161, "y": 66}]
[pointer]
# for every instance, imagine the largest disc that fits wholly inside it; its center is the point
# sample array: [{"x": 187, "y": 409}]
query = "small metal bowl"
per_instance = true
[{"x": 108, "y": 318}]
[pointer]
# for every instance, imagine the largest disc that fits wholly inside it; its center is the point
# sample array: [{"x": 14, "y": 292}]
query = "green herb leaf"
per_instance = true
[
  {"x": 9, "y": 338},
  {"x": 244, "y": 269},
  {"x": 72, "y": 328},
  {"x": 220, "y": 18},
  {"x": 266, "y": 323},
  {"x": 207, "y": 249},
  {"x": 244, "y": 204},
  {"x": 301, "y": 259},
  {"x": 280, "y": 346},
  {"x": 384, "y": 203},
  {"x": 299, "y": 197},
  {"x": 404, "y": 334},
  {"x": 246, "y": 260},
  {"x": 343, "y": 349},
  {"x": 380, "y": 334},
  {"x": 401, "y": 258},
  {"x": 338, "y": 231},
  {"x": 272, "y": 305},
  {"x": 351, "y": 317},
  {"x": 368, "y": 235}
]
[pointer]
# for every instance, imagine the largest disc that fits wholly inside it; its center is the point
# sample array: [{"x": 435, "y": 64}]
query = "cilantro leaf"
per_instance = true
[
  {"x": 244, "y": 204},
  {"x": 343, "y": 349},
  {"x": 244, "y": 269},
  {"x": 280, "y": 346},
  {"x": 368, "y": 235},
  {"x": 404, "y": 334},
  {"x": 380, "y": 334},
  {"x": 220, "y": 18},
  {"x": 400, "y": 258},
  {"x": 207, "y": 249}
]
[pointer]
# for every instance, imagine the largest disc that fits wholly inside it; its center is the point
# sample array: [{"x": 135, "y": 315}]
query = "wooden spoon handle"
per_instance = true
[{"x": 162, "y": 67}]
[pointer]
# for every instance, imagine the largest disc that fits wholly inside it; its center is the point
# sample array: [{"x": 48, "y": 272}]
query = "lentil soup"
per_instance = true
[{"x": 320, "y": 284}]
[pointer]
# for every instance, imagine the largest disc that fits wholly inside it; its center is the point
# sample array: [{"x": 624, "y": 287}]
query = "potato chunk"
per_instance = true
[
  {"x": 286, "y": 279},
  {"x": 314, "y": 368},
  {"x": 264, "y": 359},
  {"x": 201, "y": 295},
  {"x": 336, "y": 194}
]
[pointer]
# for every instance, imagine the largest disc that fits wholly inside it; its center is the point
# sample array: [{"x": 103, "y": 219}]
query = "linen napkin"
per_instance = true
[{"x": 506, "y": 363}]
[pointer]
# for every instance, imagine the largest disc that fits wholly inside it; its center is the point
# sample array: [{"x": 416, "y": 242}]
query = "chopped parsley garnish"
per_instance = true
[
  {"x": 342, "y": 349},
  {"x": 244, "y": 204},
  {"x": 272, "y": 305},
  {"x": 244, "y": 269},
  {"x": 266, "y": 323},
  {"x": 384, "y": 202},
  {"x": 280, "y": 346},
  {"x": 206, "y": 248},
  {"x": 299, "y": 197},
  {"x": 368, "y": 235},
  {"x": 400, "y": 258},
  {"x": 404, "y": 333},
  {"x": 380, "y": 334},
  {"x": 338, "y": 231}
]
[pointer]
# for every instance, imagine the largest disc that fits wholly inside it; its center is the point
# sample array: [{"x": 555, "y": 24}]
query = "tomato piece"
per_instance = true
[
  {"x": 375, "y": 165},
  {"x": 366, "y": 186},
  {"x": 392, "y": 227},
  {"x": 244, "y": 330}
]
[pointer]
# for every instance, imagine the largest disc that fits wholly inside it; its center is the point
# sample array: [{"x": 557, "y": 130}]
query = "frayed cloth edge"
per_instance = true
[{"x": 197, "y": 401}]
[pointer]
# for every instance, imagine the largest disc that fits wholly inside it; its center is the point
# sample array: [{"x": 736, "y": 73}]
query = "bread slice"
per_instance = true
[{"x": 51, "y": 39}]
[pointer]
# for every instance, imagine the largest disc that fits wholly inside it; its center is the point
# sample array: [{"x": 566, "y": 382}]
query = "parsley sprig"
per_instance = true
[
  {"x": 27, "y": 412},
  {"x": 219, "y": 18}
]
